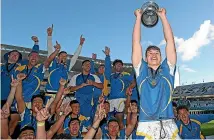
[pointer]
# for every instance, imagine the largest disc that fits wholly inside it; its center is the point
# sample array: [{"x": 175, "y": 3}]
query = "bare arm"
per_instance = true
[
  {"x": 58, "y": 96},
  {"x": 5, "y": 113},
  {"x": 136, "y": 38},
  {"x": 11, "y": 96},
  {"x": 55, "y": 127},
  {"x": 20, "y": 101},
  {"x": 53, "y": 55},
  {"x": 130, "y": 126},
  {"x": 66, "y": 109},
  {"x": 168, "y": 35}
]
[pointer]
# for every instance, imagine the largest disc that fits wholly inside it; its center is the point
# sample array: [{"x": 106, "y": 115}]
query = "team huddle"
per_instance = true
[{"x": 106, "y": 103}]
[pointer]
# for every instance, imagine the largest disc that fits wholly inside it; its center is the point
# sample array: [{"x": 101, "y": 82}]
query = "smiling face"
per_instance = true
[
  {"x": 113, "y": 128},
  {"x": 183, "y": 115},
  {"x": 86, "y": 66},
  {"x": 38, "y": 103},
  {"x": 33, "y": 58},
  {"x": 63, "y": 57},
  {"x": 153, "y": 57},
  {"x": 74, "y": 127},
  {"x": 27, "y": 134},
  {"x": 75, "y": 108},
  {"x": 13, "y": 57},
  {"x": 118, "y": 67}
]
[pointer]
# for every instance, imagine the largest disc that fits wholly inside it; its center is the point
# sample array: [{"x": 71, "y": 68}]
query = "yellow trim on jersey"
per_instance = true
[
  {"x": 145, "y": 135},
  {"x": 181, "y": 128},
  {"x": 37, "y": 85},
  {"x": 139, "y": 89},
  {"x": 171, "y": 91},
  {"x": 49, "y": 81},
  {"x": 125, "y": 73},
  {"x": 82, "y": 118},
  {"x": 196, "y": 121},
  {"x": 37, "y": 66},
  {"x": 21, "y": 68},
  {"x": 120, "y": 104},
  {"x": 174, "y": 134},
  {"x": 123, "y": 85}
]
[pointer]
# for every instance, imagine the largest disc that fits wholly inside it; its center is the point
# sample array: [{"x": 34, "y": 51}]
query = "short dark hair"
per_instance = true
[
  {"x": 62, "y": 52},
  {"x": 101, "y": 65},
  {"x": 37, "y": 96},
  {"x": 182, "y": 107},
  {"x": 106, "y": 102},
  {"x": 133, "y": 101},
  {"x": 27, "y": 128},
  {"x": 113, "y": 119},
  {"x": 152, "y": 47},
  {"x": 73, "y": 119},
  {"x": 85, "y": 61},
  {"x": 117, "y": 61},
  {"x": 74, "y": 102}
]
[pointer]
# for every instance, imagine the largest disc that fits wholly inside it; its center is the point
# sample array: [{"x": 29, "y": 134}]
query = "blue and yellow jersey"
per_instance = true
[
  {"x": 84, "y": 122},
  {"x": 27, "y": 119},
  {"x": 193, "y": 129},
  {"x": 31, "y": 84},
  {"x": 6, "y": 71},
  {"x": 119, "y": 83},
  {"x": 56, "y": 72},
  {"x": 104, "y": 78},
  {"x": 84, "y": 95},
  {"x": 155, "y": 90}
]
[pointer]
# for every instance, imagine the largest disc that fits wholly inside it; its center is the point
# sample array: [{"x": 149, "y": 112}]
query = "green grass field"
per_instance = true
[{"x": 208, "y": 128}]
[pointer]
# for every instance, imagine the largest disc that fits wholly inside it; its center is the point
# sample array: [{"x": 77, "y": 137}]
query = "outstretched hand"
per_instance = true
[
  {"x": 82, "y": 40},
  {"x": 14, "y": 82},
  {"x": 138, "y": 13},
  {"x": 57, "y": 46},
  {"x": 161, "y": 12},
  {"x": 42, "y": 115},
  {"x": 50, "y": 30},
  {"x": 107, "y": 51}
]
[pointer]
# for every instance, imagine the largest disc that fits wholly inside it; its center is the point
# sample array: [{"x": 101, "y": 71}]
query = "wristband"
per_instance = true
[{"x": 40, "y": 123}]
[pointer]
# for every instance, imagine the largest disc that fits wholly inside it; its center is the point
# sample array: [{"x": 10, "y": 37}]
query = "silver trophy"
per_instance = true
[{"x": 149, "y": 14}]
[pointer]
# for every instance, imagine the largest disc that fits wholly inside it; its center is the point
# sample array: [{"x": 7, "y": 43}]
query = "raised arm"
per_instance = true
[
  {"x": 11, "y": 96},
  {"x": 49, "y": 40},
  {"x": 94, "y": 57},
  {"x": 41, "y": 116},
  {"x": 136, "y": 38},
  {"x": 58, "y": 96},
  {"x": 18, "y": 96},
  {"x": 53, "y": 55},
  {"x": 130, "y": 127},
  {"x": 77, "y": 53},
  {"x": 5, "y": 113},
  {"x": 168, "y": 35},
  {"x": 101, "y": 114},
  {"x": 66, "y": 110},
  {"x": 107, "y": 63}
]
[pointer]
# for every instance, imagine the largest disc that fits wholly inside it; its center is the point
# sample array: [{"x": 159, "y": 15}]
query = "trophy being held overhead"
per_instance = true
[{"x": 149, "y": 14}]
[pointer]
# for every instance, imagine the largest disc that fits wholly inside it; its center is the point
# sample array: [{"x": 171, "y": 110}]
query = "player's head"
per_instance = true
[
  {"x": 62, "y": 57},
  {"x": 27, "y": 132},
  {"x": 118, "y": 65},
  {"x": 74, "y": 126},
  {"x": 183, "y": 113},
  {"x": 174, "y": 105},
  {"x": 86, "y": 65},
  {"x": 37, "y": 101},
  {"x": 75, "y": 106},
  {"x": 113, "y": 127},
  {"x": 101, "y": 69},
  {"x": 153, "y": 56}
]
